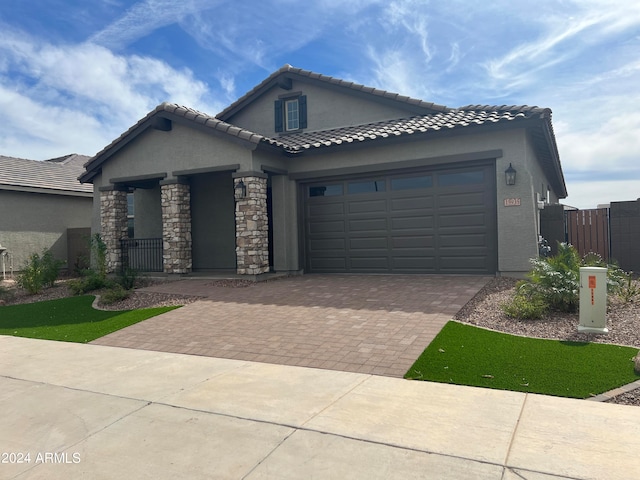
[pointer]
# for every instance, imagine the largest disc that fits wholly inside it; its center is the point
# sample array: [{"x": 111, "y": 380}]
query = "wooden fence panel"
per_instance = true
[{"x": 588, "y": 231}]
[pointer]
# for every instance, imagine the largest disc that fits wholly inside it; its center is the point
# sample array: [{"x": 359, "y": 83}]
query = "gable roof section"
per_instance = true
[
  {"x": 57, "y": 176},
  {"x": 160, "y": 118},
  {"x": 284, "y": 75}
]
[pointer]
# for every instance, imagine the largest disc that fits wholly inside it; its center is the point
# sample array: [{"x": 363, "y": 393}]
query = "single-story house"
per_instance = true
[
  {"x": 311, "y": 173},
  {"x": 43, "y": 206}
]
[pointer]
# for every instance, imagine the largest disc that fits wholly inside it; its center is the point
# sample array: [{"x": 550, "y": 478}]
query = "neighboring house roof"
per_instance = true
[
  {"x": 434, "y": 118},
  {"x": 284, "y": 75},
  {"x": 57, "y": 175}
]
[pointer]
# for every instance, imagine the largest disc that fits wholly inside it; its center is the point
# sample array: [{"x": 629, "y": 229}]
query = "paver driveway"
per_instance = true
[{"x": 377, "y": 324}]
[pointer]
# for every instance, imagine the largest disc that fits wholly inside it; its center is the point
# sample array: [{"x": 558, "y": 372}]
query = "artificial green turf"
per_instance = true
[
  {"x": 466, "y": 355},
  {"x": 68, "y": 319}
]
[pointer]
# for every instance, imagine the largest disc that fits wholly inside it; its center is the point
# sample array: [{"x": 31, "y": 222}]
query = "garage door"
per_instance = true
[{"x": 429, "y": 221}]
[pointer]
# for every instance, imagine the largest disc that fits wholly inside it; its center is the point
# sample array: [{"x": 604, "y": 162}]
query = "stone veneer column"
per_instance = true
[
  {"x": 113, "y": 224},
  {"x": 176, "y": 227},
  {"x": 252, "y": 226}
]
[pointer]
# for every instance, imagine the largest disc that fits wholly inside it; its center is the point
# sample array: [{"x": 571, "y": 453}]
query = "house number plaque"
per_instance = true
[{"x": 511, "y": 202}]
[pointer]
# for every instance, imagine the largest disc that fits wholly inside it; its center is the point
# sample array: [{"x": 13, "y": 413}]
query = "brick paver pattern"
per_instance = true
[{"x": 376, "y": 324}]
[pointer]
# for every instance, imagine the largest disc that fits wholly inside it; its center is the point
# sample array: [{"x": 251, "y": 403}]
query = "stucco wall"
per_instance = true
[
  {"x": 182, "y": 148},
  {"x": 326, "y": 108},
  {"x": 33, "y": 222}
]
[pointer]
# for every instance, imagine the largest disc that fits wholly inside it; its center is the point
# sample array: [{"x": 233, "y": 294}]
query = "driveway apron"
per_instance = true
[{"x": 375, "y": 324}]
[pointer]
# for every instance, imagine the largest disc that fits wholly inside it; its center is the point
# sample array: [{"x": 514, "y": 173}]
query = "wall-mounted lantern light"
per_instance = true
[
  {"x": 510, "y": 175},
  {"x": 240, "y": 190}
]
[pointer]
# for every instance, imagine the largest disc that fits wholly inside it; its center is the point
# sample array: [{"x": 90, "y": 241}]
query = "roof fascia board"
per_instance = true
[{"x": 47, "y": 191}]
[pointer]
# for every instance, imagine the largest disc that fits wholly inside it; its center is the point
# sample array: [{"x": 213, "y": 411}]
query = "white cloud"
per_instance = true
[
  {"x": 77, "y": 98},
  {"x": 592, "y": 194}
]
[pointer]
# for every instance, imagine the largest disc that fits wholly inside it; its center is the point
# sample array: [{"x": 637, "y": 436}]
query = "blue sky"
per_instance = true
[{"x": 75, "y": 74}]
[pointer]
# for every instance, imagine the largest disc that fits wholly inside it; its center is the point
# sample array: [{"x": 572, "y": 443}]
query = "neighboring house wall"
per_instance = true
[{"x": 33, "y": 222}]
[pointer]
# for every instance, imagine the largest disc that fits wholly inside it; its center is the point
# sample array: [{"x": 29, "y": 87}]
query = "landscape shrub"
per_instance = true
[
  {"x": 555, "y": 283},
  {"x": 127, "y": 278},
  {"x": 40, "y": 271},
  {"x": 90, "y": 282},
  {"x": 114, "y": 294}
]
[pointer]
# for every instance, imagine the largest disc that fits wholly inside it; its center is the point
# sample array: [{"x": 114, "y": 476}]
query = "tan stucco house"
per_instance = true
[
  {"x": 43, "y": 206},
  {"x": 312, "y": 173}
]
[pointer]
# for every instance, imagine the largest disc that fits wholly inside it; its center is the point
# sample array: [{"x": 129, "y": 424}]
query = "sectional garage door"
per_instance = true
[{"x": 428, "y": 221}]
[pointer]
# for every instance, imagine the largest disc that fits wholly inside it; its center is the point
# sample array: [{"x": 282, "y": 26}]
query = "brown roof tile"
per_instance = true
[{"x": 57, "y": 174}]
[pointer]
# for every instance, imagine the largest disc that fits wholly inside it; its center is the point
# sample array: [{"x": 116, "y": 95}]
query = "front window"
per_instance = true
[{"x": 292, "y": 115}]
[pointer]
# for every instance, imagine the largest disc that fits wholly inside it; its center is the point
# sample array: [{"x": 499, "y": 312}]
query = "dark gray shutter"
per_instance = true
[
  {"x": 302, "y": 110},
  {"x": 279, "y": 115}
]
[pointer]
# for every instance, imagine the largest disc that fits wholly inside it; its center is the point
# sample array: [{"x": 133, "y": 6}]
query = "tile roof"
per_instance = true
[
  {"x": 420, "y": 106},
  {"x": 453, "y": 119},
  {"x": 57, "y": 174}
]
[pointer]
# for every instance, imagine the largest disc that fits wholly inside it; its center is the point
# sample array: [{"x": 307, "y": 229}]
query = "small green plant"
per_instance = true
[
  {"x": 524, "y": 308},
  {"x": 40, "y": 271},
  {"x": 127, "y": 278},
  {"x": 50, "y": 268},
  {"x": 114, "y": 294},
  {"x": 629, "y": 289},
  {"x": 99, "y": 251},
  {"x": 86, "y": 284}
]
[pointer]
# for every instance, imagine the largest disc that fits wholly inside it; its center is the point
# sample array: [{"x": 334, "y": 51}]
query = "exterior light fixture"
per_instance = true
[
  {"x": 240, "y": 190},
  {"x": 510, "y": 175}
]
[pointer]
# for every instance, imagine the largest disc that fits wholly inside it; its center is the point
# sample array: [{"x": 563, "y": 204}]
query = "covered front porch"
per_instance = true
[{"x": 206, "y": 221}]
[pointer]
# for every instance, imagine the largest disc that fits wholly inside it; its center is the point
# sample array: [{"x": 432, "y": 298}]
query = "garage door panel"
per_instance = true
[
  {"x": 328, "y": 264},
  {"x": 369, "y": 206},
  {"x": 414, "y": 263},
  {"x": 368, "y": 243},
  {"x": 370, "y": 263},
  {"x": 454, "y": 264},
  {"x": 319, "y": 210},
  {"x": 368, "y": 225},
  {"x": 325, "y": 244},
  {"x": 414, "y": 241},
  {"x": 466, "y": 199},
  {"x": 411, "y": 203},
  {"x": 462, "y": 220},
  {"x": 409, "y": 223},
  {"x": 467, "y": 240},
  {"x": 317, "y": 227}
]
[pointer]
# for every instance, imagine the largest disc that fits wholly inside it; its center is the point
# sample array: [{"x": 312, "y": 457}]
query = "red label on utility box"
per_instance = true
[{"x": 592, "y": 281}]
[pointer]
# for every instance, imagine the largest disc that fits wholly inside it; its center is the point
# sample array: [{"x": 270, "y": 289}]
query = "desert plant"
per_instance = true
[
  {"x": 99, "y": 253},
  {"x": 629, "y": 289},
  {"x": 50, "y": 268},
  {"x": 88, "y": 283},
  {"x": 114, "y": 294},
  {"x": 524, "y": 308},
  {"x": 127, "y": 278},
  {"x": 40, "y": 271},
  {"x": 555, "y": 282}
]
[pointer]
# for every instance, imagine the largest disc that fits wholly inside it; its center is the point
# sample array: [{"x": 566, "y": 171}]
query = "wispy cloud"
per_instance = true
[{"x": 83, "y": 92}]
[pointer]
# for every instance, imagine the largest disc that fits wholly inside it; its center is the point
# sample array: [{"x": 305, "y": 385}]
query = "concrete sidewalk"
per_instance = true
[{"x": 98, "y": 412}]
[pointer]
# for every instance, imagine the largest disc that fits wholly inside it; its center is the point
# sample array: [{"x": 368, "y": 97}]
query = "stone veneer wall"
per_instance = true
[
  {"x": 252, "y": 227},
  {"x": 176, "y": 227},
  {"x": 113, "y": 225}
]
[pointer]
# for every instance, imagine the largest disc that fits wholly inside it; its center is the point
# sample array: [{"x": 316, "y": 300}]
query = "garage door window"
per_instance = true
[
  {"x": 325, "y": 190},
  {"x": 370, "y": 186},
  {"x": 411, "y": 183},
  {"x": 461, "y": 178}
]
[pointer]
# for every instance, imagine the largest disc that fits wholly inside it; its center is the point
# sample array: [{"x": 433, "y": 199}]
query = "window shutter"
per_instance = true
[
  {"x": 279, "y": 115},
  {"x": 302, "y": 111}
]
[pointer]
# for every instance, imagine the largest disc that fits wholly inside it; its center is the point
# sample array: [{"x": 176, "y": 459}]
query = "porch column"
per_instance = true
[
  {"x": 252, "y": 226},
  {"x": 113, "y": 224},
  {"x": 176, "y": 226}
]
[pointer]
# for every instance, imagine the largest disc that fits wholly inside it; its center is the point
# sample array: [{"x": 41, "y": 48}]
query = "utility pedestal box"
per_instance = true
[{"x": 593, "y": 300}]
